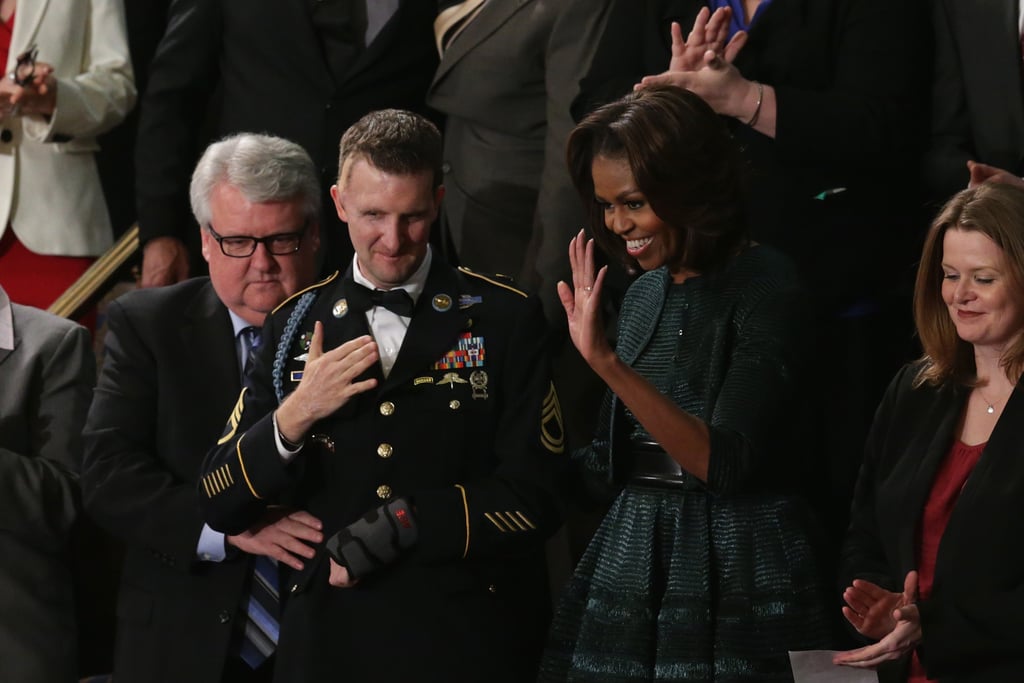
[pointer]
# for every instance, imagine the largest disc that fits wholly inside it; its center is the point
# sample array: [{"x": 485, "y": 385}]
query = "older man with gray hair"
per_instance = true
[{"x": 196, "y": 605}]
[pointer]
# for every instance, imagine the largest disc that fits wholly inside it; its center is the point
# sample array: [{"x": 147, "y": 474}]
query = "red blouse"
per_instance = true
[
  {"x": 949, "y": 481},
  {"x": 6, "y": 33}
]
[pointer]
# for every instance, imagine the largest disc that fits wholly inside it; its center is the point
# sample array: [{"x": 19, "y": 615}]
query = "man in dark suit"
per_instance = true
[
  {"x": 47, "y": 370},
  {"x": 977, "y": 97},
  {"x": 409, "y": 406},
  {"x": 299, "y": 69},
  {"x": 173, "y": 363}
]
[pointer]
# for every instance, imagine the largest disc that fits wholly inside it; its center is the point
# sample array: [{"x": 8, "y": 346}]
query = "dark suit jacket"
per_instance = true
[
  {"x": 169, "y": 377},
  {"x": 977, "y": 95},
  {"x": 47, "y": 380},
  {"x": 145, "y": 20},
  {"x": 971, "y": 623},
  {"x": 850, "y": 80},
  {"x": 506, "y": 85},
  {"x": 476, "y": 449},
  {"x": 266, "y": 60}
]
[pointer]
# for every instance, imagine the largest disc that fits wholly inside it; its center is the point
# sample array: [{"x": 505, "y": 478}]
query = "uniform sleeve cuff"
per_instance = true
[{"x": 286, "y": 449}]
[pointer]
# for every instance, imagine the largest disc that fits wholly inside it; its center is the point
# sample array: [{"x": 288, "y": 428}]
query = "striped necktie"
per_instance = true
[
  {"x": 262, "y": 604},
  {"x": 252, "y": 339},
  {"x": 262, "y": 608}
]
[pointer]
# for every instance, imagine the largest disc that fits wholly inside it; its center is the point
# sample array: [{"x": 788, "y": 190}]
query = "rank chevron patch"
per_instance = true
[{"x": 552, "y": 434}]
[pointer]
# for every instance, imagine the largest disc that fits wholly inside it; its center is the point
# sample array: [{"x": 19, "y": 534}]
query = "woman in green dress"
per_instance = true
[{"x": 702, "y": 570}]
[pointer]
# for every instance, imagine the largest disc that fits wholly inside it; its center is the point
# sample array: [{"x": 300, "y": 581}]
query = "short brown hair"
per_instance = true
[
  {"x": 683, "y": 160},
  {"x": 394, "y": 141},
  {"x": 997, "y": 211}
]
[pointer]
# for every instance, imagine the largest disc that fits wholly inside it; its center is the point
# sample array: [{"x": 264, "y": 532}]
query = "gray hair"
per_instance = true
[{"x": 263, "y": 168}]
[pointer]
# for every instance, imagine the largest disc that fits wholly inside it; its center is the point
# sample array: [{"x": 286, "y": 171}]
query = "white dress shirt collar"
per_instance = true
[{"x": 414, "y": 285}]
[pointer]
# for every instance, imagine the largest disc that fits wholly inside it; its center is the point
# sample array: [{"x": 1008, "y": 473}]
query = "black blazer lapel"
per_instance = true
[
  {"x": 382, "y": 42},
  {"x": 394, "y": 35},
  {"x": 207, "y": 338},
  {"x": 933, "y": 444},
  {"x": 436, "y": 323},
  {"x": 491, "y": 17},
  {"x": 999, "y": 466}
]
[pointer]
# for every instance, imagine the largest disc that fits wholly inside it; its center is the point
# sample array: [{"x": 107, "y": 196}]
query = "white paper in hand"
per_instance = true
[{"x": 815, "y": 666}]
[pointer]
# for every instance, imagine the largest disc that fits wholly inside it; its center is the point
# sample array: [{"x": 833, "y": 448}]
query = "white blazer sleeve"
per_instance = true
[{"x": 102, "y": 92}]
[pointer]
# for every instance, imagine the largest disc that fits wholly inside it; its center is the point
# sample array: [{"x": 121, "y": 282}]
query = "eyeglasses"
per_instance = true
[
  {"x": 281, "y": 244},
  {"x": 25, "y": 67}
]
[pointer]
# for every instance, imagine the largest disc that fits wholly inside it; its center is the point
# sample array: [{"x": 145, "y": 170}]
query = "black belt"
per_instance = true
[{"x": 650, "y": 465}]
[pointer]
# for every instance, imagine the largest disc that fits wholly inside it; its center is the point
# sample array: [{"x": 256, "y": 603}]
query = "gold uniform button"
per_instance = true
[
  {"x": 383, "y": 491},
  {"x": 385, "y": 450},
  {"x": 387, "y": 408},
  {"x": 454, "y": 404}
]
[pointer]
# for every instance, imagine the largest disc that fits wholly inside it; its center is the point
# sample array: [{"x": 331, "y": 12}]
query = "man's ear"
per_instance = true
[
  {"x": 313, "y": 232},
  {"x": 204, "y": 240},
  {"x": 338, "y": 207}
]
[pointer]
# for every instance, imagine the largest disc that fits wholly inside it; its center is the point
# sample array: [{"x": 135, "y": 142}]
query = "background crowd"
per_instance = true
[{"x": 755, "y": 244}]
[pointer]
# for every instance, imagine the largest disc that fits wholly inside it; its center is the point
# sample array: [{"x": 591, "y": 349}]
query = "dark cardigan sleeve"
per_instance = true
[{"x": 759, "y": 390}]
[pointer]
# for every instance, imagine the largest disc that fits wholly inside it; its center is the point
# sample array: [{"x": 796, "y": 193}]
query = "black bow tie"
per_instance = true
[{"x": 397, "y": 301}]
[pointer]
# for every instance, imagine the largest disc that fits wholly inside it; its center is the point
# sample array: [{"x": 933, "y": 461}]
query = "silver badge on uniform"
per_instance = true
[
  {"x": 467, "y": 300},
  {"x": 478, "y": 380}
]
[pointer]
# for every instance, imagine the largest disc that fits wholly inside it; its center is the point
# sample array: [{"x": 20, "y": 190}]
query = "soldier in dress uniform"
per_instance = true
[{"x": 409, "y": 406}]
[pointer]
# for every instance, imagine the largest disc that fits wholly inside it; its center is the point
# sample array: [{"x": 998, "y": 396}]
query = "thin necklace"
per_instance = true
[{"x": 990, "y": 407}]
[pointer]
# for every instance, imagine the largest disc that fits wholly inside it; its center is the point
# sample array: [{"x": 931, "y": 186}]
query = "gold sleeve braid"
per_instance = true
[
  {"x": 465, "y": 506},
  {"x": 241, "y": 464}
]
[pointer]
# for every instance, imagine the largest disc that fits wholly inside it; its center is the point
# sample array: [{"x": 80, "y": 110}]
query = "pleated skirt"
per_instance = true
[{"x": 683, "y": 586}]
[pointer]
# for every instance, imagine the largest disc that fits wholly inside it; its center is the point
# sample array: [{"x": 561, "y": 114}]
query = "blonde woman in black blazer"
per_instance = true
[{"x": 969, "y": 311}]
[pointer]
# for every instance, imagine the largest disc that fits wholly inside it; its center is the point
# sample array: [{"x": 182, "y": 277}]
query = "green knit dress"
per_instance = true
[{"x": 718, "y": 581}]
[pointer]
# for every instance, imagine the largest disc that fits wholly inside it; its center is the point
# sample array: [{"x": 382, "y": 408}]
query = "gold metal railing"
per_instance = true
[{"x": 93, "y": 280}]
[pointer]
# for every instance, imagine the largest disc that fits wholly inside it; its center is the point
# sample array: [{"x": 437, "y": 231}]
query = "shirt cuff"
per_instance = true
[
  {"x": 211, "y": 545},
  {"x": 287, "y": 454}
]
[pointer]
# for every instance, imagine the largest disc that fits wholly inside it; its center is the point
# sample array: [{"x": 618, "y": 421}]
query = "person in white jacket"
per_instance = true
[{"x": 53, "y": 219}]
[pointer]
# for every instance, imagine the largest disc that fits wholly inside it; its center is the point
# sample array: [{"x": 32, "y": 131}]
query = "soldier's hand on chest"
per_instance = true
[{"x": 328, "y": 382}]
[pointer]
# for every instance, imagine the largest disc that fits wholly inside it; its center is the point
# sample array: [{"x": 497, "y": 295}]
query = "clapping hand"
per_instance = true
[
  {"x": 709, "y": 33},
  {"x": 893, "y": 618}
]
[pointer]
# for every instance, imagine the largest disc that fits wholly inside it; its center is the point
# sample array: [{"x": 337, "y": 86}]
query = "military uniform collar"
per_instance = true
[{"x": 414, "y": 285}]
